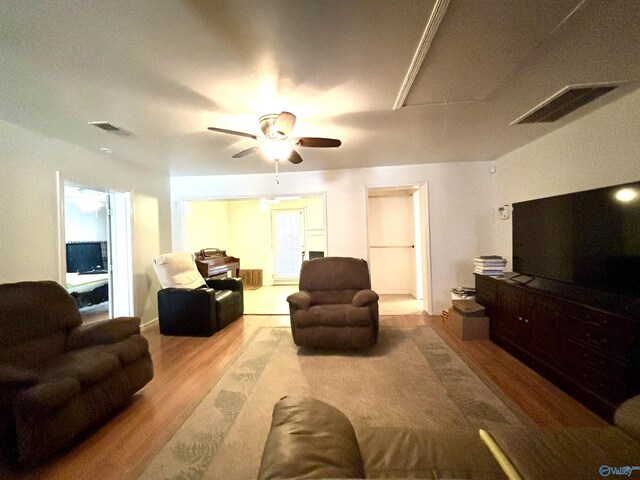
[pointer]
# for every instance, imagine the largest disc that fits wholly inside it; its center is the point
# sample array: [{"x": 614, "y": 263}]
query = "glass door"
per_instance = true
[{"x": 287, "y": 229}]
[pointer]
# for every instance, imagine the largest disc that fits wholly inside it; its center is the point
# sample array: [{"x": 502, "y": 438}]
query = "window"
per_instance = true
[{"x": 288, "y": 243}]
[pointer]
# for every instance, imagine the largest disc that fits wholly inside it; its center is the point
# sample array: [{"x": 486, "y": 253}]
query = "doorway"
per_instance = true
[
  {"x": 96, "y": 251},
  {"x": 243, "y": 227},
  {"x": 395, "y": 245}
]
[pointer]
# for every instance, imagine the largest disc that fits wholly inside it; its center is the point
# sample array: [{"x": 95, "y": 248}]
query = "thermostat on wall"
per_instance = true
[{"x": 503, "y": 212}]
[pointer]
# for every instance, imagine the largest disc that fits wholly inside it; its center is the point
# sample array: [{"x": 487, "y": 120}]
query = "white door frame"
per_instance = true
[
  {"x": 425, "y": 229},
  {"x": 423, "y": 236},
  {"x": 120, "y": 245}
]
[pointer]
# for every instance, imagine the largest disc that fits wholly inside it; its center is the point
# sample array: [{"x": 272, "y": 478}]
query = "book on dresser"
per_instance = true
[{"x": 492, "y": 265}]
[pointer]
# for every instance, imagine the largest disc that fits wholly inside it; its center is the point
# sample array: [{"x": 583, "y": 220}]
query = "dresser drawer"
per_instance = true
[
  {"x": 606, "y": 364},
  {"x": 610, "y": 335},
  {"x": 590, "y": 351},
  {"x": 603, "y": 384}
]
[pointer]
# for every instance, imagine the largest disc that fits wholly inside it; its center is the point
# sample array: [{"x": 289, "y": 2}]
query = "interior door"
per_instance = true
[
  {"x": 288, "y": 243},
  {"x": 121, "y": 254}
]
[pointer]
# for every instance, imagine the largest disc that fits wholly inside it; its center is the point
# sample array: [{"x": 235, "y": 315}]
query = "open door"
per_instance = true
[
  {"x": 97, "y": 251},
  {"x": 396, "y": 237},
  {"x": 121, "y": 255}
]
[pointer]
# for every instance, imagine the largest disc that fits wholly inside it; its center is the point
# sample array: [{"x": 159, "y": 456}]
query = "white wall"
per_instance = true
[
  {"x": 460, "y": 206},
  {"x": 597, "y": 150},
  {"x": 251, "y": 234},
  {"x": 206, "y": 226},
  {"x": 29, "y": 246}
]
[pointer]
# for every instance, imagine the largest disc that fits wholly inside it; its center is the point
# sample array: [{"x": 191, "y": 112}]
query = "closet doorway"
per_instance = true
[{"x": 395, "y": 218}]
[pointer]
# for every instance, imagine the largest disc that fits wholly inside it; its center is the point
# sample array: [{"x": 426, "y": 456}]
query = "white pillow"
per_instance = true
[{"x": 178, "y": 270}]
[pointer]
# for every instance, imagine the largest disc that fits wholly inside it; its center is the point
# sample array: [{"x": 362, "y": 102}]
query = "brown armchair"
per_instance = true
[
  {"x": 335, "y": 307},
  {"x": 59, "y": 378}
]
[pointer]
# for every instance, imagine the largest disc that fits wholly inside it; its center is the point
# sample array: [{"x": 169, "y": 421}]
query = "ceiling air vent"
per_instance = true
[
  {"x": 563, "y": 103},
  {"x": 107, "y": 127}
]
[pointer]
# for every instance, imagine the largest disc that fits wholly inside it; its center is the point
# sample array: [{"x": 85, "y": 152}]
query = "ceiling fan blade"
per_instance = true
[
  {"x": 246, "y": 152},
  {"x": 284, "y": 123},
  {"x": 232, "y": 132},
  {"x": 295, "y": 157},
  {"x": 317, "y": 142}
]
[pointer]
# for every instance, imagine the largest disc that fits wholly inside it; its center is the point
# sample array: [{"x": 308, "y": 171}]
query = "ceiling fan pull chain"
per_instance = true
[{"x": 277, "y": 181}]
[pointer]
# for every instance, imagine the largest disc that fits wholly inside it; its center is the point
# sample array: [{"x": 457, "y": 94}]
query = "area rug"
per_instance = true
[{"x": 411, "y": 378}]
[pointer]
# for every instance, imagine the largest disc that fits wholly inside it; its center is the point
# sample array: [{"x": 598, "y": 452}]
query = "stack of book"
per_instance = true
[{"x": 492, "y": 265}]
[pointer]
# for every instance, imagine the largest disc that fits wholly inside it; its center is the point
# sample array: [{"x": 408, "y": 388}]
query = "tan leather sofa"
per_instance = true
[
  {"x": 59, "y": 378},
  {"x": 335, "y": 307},
  {"x": 311, "y": 439}
]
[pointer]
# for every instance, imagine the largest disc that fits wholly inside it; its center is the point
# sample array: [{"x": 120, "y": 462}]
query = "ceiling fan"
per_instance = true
[{"x": 276, "y": 143}]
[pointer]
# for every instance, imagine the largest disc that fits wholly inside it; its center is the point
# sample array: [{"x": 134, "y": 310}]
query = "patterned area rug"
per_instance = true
[{"x": 411, "y": 378}]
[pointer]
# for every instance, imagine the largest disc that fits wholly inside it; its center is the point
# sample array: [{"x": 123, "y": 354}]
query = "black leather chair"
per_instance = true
[{"x": 190, "y": 306}]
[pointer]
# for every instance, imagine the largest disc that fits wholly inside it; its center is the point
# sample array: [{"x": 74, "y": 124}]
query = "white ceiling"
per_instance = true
[{"x": 165, "y": 70}]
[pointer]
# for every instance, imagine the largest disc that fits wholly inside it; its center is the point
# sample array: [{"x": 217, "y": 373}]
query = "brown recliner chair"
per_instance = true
[
  {"x": 58, "y": 377},
  {"x": 335, "y": 307}
]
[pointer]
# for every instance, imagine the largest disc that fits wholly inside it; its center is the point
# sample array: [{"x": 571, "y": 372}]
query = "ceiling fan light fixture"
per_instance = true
[
  {"x": 267, "y": 125},
  {"x": 276, "y": 149},
  {"x": 276, "y": 144}
]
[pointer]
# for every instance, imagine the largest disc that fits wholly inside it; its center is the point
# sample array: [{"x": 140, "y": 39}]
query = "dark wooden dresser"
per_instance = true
[{"x": 587, "y": 345}]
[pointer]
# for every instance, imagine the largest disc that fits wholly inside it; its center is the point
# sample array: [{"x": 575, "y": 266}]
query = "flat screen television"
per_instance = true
[
  {"x": 589, "y": 238},
  {"x": 84, "y": 257}
]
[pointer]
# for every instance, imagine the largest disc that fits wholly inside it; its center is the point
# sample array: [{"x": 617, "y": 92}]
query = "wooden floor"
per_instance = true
[{"x": 186, "y": 368}]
